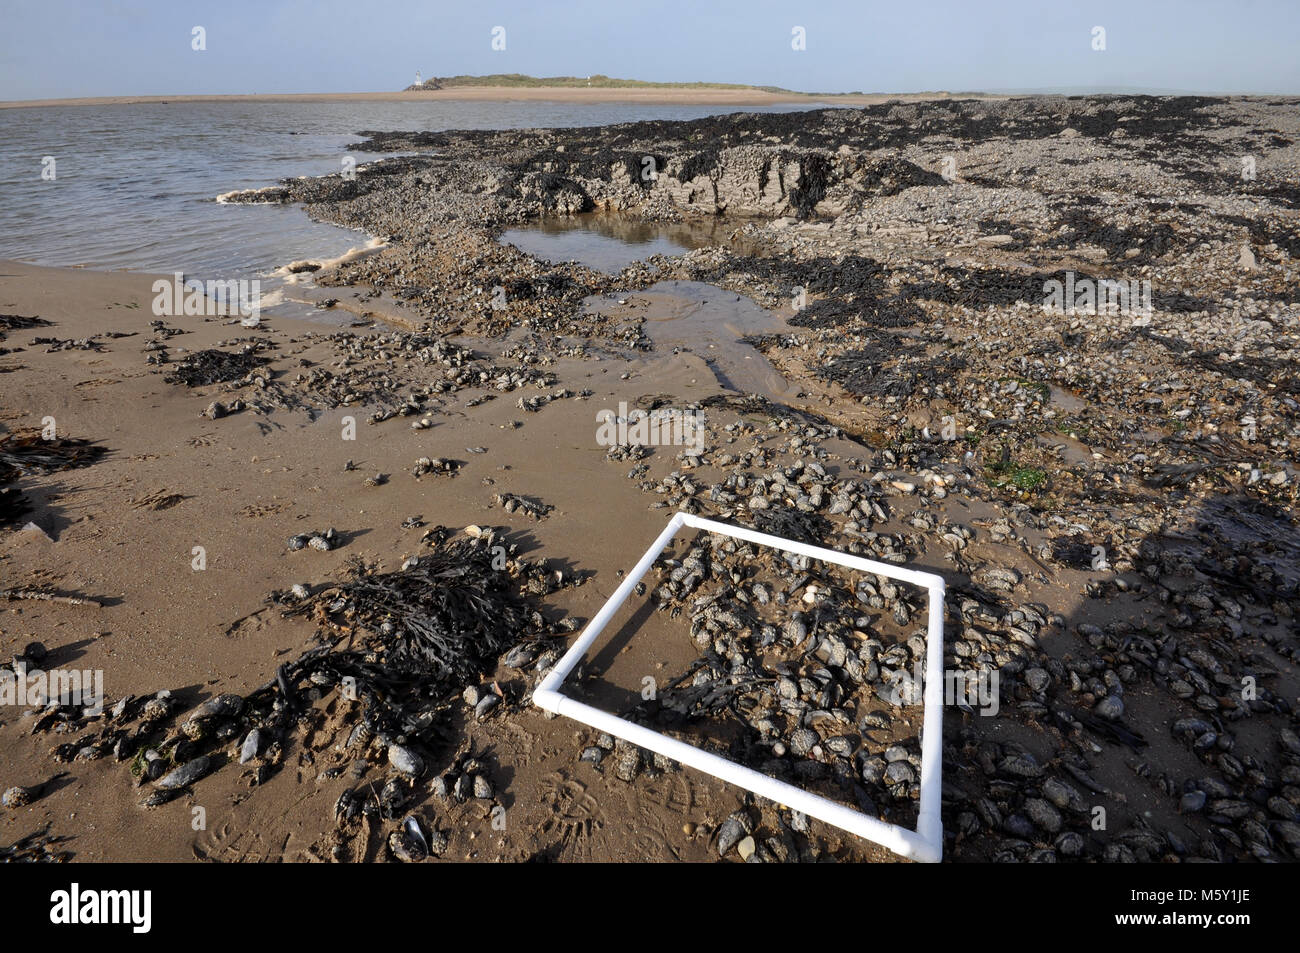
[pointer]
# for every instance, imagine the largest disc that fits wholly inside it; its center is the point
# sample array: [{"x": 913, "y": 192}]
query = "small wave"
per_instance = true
[
  {"x": 227, "y": 198},
  {"x": 297, "y": 271},
  {"x": 271, "y": 299}
]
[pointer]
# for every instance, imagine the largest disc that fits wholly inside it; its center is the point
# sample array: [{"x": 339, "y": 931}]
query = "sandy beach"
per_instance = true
[{"x": 123, "y": 530}]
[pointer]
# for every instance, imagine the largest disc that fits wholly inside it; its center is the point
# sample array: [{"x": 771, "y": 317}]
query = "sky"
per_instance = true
[{"x": 73, "y": 48}]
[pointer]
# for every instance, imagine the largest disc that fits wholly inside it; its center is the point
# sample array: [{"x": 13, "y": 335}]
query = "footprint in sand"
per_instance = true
[
  {"x": 253, "y": 840},
  {"x": 250, "y": 624},
  {"x": 255, "y": 510},
  {"x": 572, "y": 815},
  {"x": 230, "y": 845},
  {"x": 673, "y": 792},
  {"x": 158, "y": 500}
]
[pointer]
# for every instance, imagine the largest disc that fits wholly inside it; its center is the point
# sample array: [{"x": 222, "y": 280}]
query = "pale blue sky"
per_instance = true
[{"x": 55, "y": 48}]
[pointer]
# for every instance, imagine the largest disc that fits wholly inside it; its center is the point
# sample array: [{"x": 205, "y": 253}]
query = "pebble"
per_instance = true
[
  {"x": 1111, "y": 708},
  {"x": 405, "y": 760},
  {"x": 17, "y": 796},
  {"x": 185, "y": 775},
  {"x": 734, "y": 829}
]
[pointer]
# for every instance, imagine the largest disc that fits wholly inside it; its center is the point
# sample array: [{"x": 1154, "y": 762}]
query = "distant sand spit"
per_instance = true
[{"x": 720, "y": 97}]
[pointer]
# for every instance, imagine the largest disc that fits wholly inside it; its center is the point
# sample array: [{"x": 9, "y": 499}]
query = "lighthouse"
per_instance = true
[{"x": 418, "y": 80}]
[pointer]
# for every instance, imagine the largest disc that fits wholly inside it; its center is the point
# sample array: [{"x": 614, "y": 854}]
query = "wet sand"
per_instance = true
[{"x": 122, "y": 532}]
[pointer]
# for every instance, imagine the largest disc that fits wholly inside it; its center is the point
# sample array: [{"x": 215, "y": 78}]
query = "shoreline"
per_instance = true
[{"x": 563, "y": 94}]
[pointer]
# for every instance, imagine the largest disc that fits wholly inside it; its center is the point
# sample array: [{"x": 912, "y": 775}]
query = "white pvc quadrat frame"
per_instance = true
[{"x": 924, "y": 844}]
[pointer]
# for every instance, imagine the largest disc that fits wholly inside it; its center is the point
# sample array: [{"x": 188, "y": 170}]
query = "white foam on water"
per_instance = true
[
  {"x": 225, "y": 198},
  {"x": 293, "y": 273},
  {"x": 270, "y": 299}
]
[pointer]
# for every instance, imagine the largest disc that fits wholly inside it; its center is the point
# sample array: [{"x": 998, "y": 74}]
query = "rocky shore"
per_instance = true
[{"x": 1110, "y": 492}]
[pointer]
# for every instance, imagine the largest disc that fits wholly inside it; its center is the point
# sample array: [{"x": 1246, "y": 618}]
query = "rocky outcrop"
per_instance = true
[
  {"x": 762, "y": 181},
  {"x": 654, "y": 164}
]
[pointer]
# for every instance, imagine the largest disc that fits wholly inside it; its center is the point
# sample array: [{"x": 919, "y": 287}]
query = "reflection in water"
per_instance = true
[
  {"x": 609, "y": 242},
  {"x": 713, "y": 323}
]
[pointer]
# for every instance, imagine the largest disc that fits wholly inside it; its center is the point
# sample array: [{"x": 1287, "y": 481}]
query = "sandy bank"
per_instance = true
[{"x": 559, "y": 94}]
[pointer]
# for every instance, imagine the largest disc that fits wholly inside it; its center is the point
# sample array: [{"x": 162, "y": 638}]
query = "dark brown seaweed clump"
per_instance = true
[
  {"x": 34, "y": 848},
  {"x": 213, "y": 367},
  {"x": 442, "y": 620},
  {"x": 26, "y": 453},
  {"x": 398, "y": 647},
  {"x": 16, "y": 322}
]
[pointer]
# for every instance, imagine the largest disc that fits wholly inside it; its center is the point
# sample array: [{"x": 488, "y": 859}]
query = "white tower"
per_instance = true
[{"x": 418, "y": 80}]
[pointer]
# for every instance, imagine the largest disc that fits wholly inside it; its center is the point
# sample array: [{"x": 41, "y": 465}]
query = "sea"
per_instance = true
[{"x": 134, "y": 186}]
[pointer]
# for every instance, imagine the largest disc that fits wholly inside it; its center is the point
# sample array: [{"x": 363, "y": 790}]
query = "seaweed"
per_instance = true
[
  {"x": 34, "y": 848},
  {"x": 862, "y": 372},
  {"x": 1149, "y": 241},
  {"x": 814, "y": 177},
  {"x": 793, "y": 524},
  {"x": 213, "y": 367},
  {"x": 26, "y": 453},
  {"x": 426, "y": 631},
  {"x": 441, "y": 620},
  {"x": 17, "y": 322}
]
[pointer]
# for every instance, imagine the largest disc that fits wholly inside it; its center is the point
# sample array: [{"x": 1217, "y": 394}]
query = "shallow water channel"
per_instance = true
[
  {"x": 610, "y": 242},
  {"x": 711, "y": 322},
  {"x": 705, "y": 319}
]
